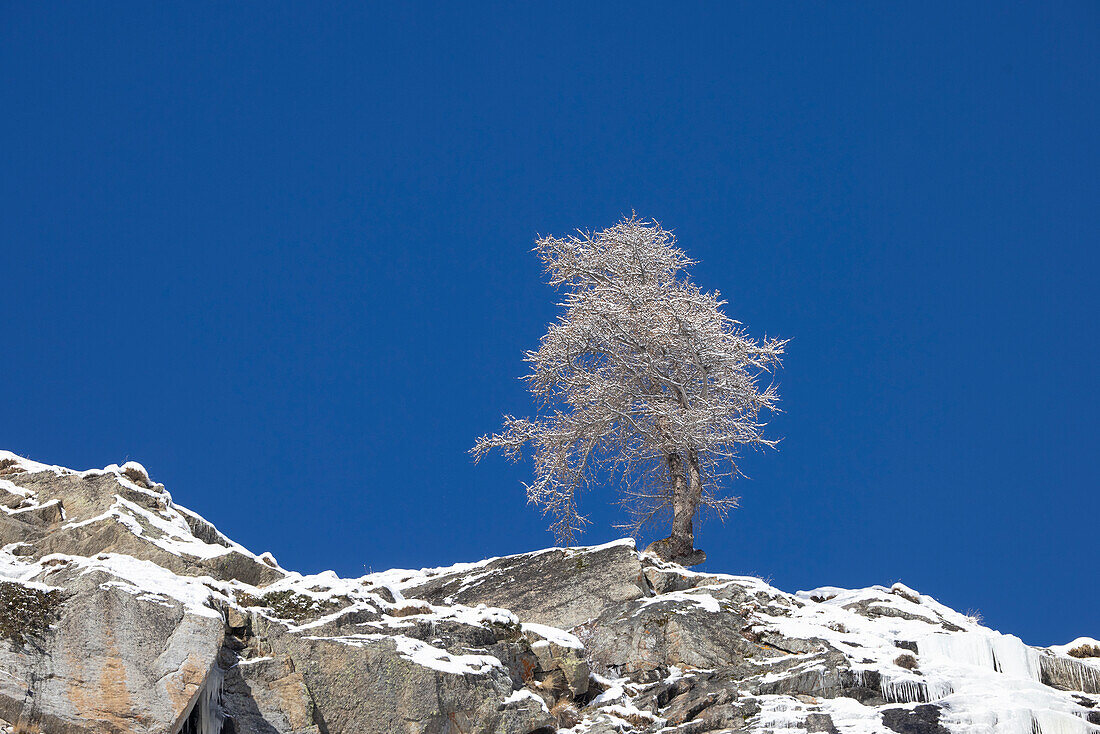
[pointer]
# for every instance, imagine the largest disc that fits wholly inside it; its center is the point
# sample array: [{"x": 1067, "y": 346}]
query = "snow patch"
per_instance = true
[
  {"x": 561, "y": 638},
  {"x": 425, "y": 655},
  {"x": 523, "y": 694}
]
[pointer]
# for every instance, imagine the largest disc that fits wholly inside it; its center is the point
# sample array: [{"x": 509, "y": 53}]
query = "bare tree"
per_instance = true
[{"x": 642, "y": 379}]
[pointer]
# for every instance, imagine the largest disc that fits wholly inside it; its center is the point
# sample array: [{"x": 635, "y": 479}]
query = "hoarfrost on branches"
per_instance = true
[{"x": 642, "y": 378}]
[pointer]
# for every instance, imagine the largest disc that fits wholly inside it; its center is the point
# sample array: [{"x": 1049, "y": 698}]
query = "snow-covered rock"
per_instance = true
[{"x": 122, "y": 612}]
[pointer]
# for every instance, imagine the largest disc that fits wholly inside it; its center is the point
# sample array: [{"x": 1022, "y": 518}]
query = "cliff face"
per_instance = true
[{"x": 121, "y": 611}]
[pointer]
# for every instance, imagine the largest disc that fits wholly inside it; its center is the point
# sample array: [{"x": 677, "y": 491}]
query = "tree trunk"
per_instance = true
[
  {"x": 687, "y": 491},
  {"x": 687, "y": 494}
]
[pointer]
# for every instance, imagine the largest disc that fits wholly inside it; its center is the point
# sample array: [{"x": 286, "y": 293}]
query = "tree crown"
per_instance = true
[{"x": 641, "y": 371}]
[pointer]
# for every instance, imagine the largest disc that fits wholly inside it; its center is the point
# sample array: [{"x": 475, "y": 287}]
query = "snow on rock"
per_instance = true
[
  {"x": 424, "y": 654},
  {"x": 553, "y": 635},
  {"x": 13, "y": 462},
  {"x": 1085, "y": 649},
  {"x": 584, "y": 640},
  {"x": 525, "y": 694}
]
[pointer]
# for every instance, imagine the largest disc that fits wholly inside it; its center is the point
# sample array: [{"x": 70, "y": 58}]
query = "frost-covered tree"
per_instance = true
[{"x": 642, "y": 379}]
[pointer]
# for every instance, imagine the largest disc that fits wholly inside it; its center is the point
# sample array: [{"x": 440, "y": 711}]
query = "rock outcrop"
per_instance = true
[{"x": 123, "y": 612}]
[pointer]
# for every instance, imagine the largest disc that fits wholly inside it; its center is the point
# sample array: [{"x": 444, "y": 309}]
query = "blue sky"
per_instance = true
[{"x": 280, "y": 254}]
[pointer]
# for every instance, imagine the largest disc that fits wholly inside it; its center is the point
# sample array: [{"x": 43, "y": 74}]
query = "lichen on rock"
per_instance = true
[{"x": 27, "y": 612}]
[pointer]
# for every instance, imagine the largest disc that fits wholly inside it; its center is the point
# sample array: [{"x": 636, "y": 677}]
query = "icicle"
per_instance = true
[
  {"x": 911, "y": 690},
  {"x": 1014, "y": 721},
  {"x": 905, "y": 688},
  {"x": 1005, "y": 654},
  {"x": 1068, "y": 673},
  {"x": 904, "y": 691},
  {"x": 206, "y": 716},
  {"x": 1050, "y": 722},
  {"x": 778, "y": 714}
]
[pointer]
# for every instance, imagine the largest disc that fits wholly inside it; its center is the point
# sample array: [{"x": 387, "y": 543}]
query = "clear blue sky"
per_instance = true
[{"x": 280, "y": 254}]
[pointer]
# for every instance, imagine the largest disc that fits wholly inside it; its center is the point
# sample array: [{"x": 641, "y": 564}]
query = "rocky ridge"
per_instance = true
[{"x": 121, "y": 611}]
